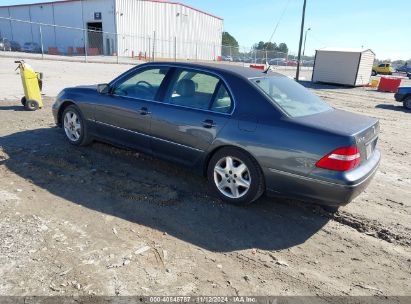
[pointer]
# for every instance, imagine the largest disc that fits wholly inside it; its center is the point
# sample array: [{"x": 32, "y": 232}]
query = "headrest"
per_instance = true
[{"x": 186, "y": 88}]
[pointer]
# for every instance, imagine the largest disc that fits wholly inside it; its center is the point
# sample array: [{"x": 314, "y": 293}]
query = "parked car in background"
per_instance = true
[
  {"x": 5, "y": 44},
  {"x": 15, "y": 46},
  {"x": 276, "y": 61},
  {"x": 31, "y": 47},
  {"x": 227, "y": 58},
  {"x": 383, "y": 68},
  {"x": 404, "y": 69},
  {"x": 309, "y": 63},
  {"x": 291, "y": 62},
  {"x": 404, "y": 95},
  {"x": 248, "y": 131}
]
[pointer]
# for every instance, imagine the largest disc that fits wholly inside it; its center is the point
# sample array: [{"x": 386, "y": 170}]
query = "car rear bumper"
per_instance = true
[{"x": 326, "y": 192}]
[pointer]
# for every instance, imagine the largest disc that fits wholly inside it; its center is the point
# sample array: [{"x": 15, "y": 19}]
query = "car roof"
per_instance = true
[{"x": 235, "y": 69}]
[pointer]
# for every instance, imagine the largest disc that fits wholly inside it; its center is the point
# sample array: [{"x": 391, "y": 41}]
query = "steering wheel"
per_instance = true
[{"x": 148, "y": 85}]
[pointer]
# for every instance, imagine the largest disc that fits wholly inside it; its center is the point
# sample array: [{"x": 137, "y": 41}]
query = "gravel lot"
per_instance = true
[{"x": 101, "y": 220}]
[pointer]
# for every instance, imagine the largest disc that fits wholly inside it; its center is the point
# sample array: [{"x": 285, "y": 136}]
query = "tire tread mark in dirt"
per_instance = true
[{"x": 371, "y": 228}]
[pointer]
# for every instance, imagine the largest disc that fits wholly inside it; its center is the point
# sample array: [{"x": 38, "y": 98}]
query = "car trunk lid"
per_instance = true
[{"x": 362, "y": 129}]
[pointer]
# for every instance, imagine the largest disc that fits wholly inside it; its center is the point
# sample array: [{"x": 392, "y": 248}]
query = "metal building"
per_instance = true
[
  {"x": 123, "y": 27},
  {"x": 343, "y": 66}
]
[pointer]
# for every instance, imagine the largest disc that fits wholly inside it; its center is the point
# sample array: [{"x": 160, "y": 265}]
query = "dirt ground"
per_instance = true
[{"x": 105, "y": 221}]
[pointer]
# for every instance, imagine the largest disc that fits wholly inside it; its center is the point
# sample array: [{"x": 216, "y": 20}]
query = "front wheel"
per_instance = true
[
  {"x": 74, "y": 126},
  {"x": 374, "y": 73},
  {"x": 235, "y": 176},
  {"x": 407, "y": 103}
]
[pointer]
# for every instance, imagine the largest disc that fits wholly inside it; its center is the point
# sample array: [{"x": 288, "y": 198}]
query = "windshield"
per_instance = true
[{"x": 291, "y": 97}]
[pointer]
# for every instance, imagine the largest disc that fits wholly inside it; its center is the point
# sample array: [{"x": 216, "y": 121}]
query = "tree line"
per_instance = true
[{"x": 229, "y": 40}]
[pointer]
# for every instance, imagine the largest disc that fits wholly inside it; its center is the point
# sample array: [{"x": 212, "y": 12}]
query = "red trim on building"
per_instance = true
[{"x": 158, "y": 1}]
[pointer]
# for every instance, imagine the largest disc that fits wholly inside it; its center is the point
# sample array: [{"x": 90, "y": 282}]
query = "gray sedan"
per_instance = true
[{"x": 248, "y": 131}]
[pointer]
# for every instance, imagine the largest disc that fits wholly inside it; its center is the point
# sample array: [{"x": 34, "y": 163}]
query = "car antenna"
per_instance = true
[{"x": 267, "y": 69}]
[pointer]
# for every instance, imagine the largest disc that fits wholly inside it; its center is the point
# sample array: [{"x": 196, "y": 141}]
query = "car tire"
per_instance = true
[
  {"x": 74, "y": 126},
  {"x": 31, "y": 105},
  {"x": 374, "y": 73},
  {"x": 23, "y": 101},
  {"x": 239, "y": 181},
  {"x": 407, "y": 103}
]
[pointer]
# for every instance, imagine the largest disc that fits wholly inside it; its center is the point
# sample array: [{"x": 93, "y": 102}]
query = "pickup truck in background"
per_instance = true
[
  {"x": 404, "y": 69},
  {"x": 404, "y": 95},
  {"x": 383, "y": 68}
]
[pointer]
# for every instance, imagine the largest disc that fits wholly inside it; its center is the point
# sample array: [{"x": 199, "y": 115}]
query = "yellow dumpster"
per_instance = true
[
  {"x": 32, "y": 83},
  {"x": 374, "y": 83}
]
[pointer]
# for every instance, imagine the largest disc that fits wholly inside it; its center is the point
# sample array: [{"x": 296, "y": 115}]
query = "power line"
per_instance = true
[{"x": 279, "y": 20}]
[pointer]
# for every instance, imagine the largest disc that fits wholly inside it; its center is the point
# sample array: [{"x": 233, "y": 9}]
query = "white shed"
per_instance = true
[{"x": 343, "y": 66}]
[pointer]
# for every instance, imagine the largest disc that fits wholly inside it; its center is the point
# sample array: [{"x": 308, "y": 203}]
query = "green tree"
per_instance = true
[
  {"x": 282, "y": 47},
  {"x": 269, "y": 46},
  {"x": 229, "y": 40},
  {"x": 259, "y": 46}
]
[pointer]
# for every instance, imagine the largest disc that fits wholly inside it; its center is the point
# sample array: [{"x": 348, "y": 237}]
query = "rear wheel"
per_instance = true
[
  {"x": 374, "y": 73},
  {"x": 23, "y": 101},
  {"x": 407, "y": 103},
  {"x": 74, "y": 126},
  {"x": 235, "y": 176},
  {"x": 31, "y": 105}
]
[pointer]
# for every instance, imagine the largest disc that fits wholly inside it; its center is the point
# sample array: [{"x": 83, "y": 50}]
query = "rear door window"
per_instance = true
[{"x": 192, "y": 89}]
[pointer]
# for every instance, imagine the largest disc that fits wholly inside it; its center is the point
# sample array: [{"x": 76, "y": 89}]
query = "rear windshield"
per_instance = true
[{"x": 290, "y": 96}]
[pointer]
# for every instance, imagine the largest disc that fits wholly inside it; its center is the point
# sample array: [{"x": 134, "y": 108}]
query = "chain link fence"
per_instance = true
[{"x": 93, "y": 44}]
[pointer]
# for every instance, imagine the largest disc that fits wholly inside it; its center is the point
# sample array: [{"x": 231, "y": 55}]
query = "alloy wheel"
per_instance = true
[
  {"x": 232, "y": 177},
  {"x": 72, "y": 126}
]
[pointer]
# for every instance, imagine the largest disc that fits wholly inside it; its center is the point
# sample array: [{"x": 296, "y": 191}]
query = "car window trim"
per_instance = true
[
  {"x": 214, "y": 99},
  {"x": 176, "y": 66}
]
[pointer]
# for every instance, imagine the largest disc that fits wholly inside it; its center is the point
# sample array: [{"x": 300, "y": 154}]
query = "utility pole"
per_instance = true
[{"x": 297, "y": 75}]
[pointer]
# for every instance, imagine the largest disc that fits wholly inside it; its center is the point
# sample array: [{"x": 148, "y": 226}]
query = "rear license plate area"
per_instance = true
[{"x": 370, "y": 147}]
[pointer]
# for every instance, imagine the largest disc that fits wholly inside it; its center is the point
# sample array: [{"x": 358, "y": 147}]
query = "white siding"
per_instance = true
[
  {"x": 336, "y": 67},
  {"x": 73, "y": 14},
  {"x": 5, "y": 28},
  {"x": 198, "y": 35},
  {"x": 21, "y": 32},
  {"x": 364, "y": 70}
]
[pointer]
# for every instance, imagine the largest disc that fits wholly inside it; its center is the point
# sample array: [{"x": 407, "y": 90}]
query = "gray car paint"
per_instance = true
[{"x": 286, "y": 148}]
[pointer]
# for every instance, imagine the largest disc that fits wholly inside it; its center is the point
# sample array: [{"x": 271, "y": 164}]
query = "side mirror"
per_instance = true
[{"x": 103, "y": 88}]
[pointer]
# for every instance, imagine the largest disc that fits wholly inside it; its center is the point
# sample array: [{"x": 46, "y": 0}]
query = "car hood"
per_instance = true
[{"x": 92, "y": 86}]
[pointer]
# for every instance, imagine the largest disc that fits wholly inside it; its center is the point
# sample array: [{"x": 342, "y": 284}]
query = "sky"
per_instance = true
[{"x": 383, "y": 26}]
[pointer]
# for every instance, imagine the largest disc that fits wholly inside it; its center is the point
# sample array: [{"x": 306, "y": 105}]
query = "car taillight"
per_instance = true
[{"x": 341, "y": 159}]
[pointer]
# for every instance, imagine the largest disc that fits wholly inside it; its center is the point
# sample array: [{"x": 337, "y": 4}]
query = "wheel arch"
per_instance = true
[
  {"x": 210, "y": 154},
  {"x": 62, "y": 107}
]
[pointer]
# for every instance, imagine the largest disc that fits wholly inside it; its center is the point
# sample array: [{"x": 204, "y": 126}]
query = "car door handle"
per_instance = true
[
  {"x": 144, "y": 111},
  {"x": 208, "y": 124}
]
